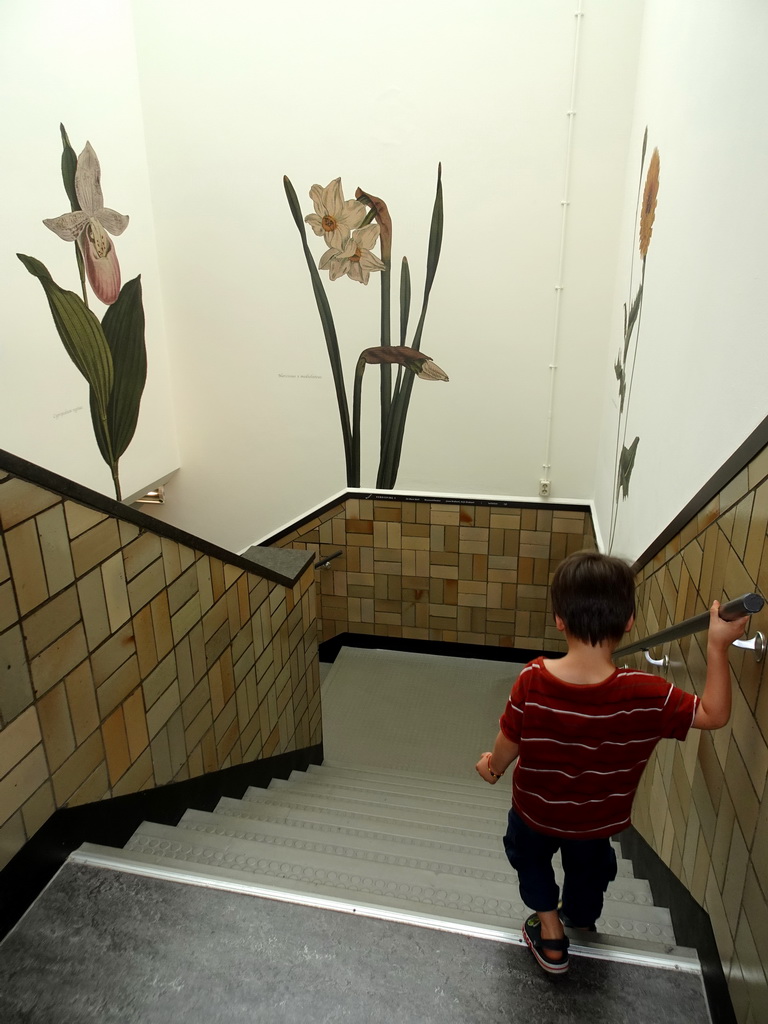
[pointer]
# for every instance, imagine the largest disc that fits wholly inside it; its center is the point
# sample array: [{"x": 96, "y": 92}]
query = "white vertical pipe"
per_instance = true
[{"x": 565, "y": 203}]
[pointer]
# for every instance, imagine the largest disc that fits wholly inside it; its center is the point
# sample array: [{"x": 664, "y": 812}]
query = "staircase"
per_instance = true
[{"x": 387, "y": 844}]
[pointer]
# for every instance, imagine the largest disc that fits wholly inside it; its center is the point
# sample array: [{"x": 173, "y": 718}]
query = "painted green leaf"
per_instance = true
[
  {"x": 631, "y": 320},
  {"x": 618, "y": 369},
  {"x": 68, "y": 168},
  {"x": 390, "y": 460},
  {"x": 100, "y": 430},
  {"x": 435, "y": 233},
  {"x": 123, "y": 326},
  {"x": 645, "y": 146},
  {"x": 329, "y": 330},
  {"x": 626, "y": 465},
  {"x": 80, "y": 333},
  {"x": 405, "y": 298}
]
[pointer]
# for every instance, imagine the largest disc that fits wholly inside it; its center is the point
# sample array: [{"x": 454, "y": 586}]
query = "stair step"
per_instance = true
[
  {"x": 416, "y": 880},
  {"x": 307, "y": 857},
  {"x": 307, "y": 811},
  {"x": 422, "y": 799},
  {"x": 214, "y": 862},
  {"x": 478, "y": 794},
  {"x": 379, "y": 848},
  {"x": 374, "y": 791},
  {"x": 403, "y": 810},
  {"x": 409, "y": 777},
  {"x": 334, "y": 837},
  {"x": 309, "y": 815}
]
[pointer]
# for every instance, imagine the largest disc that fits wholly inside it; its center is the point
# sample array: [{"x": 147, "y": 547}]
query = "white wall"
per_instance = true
[
  {"x": 236, "y": 94},
  {"x": 74, "y": 63},
  {"x": 699, "y": 386}
]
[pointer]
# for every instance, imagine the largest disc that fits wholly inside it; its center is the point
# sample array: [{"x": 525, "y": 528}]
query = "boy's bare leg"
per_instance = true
[{"x": 551, "y": 928}]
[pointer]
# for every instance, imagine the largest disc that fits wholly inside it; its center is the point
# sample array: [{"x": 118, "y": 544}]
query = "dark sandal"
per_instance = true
[
  {"x": 568, "y": 923},
  {"x": 538, "y": 946}
]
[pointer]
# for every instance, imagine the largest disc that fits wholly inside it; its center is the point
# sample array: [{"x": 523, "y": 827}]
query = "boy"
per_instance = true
[{"x": 582, "y": 732}]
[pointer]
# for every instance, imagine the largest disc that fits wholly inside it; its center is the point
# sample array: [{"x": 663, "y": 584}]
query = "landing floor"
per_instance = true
[{"x": 101, "y": 947}]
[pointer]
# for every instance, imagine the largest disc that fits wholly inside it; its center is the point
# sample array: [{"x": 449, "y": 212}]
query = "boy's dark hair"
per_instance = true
[{"x": 594, "y": 595}]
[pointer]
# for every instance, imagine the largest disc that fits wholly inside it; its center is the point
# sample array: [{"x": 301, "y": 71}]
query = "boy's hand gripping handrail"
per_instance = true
[{"x": 747, "y": 604}]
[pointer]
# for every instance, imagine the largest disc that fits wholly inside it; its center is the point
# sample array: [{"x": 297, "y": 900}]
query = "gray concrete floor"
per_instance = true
[{"x": 101, "y": 946}]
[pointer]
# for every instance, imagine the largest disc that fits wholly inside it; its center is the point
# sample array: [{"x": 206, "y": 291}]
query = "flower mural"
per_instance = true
[
  {"x": 351, "y": 229},
  {"x": 356, "y": 258},
  {"x": 90, "y": 226},
  {"x": 333, "y": 217},
  {"x": 111, "y": 353},
  {"x": 624, "y": 367}
]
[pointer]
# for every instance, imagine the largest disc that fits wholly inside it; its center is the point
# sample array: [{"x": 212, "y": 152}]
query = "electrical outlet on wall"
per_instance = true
[{"x": 543, "y": 488}]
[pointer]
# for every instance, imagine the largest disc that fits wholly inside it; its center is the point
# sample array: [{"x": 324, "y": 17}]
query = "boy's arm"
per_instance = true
[
  {"x": 494, "y": 763},
  {"x": 714, "y": 708}
]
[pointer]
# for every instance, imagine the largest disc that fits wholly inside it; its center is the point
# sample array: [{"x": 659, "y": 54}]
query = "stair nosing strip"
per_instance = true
[{"x": 93, "y": 855}]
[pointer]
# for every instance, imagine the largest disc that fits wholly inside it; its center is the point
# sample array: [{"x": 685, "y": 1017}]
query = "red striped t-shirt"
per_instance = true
[{"x": 583, "y": 747}]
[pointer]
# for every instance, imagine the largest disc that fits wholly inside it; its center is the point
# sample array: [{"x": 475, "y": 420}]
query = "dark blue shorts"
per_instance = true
[{"x": 589, "y": 866}]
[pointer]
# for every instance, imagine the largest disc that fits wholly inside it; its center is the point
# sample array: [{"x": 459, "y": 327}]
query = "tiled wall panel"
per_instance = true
[
  {"x": 129, "y": 661},
  {"x": 466, "y": 573},
  {"x": 703, "y": 805}
]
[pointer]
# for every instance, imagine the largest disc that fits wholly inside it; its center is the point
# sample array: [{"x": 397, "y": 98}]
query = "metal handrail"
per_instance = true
[
  {"x": 326, "y": 560},
  {"x": 747, "y": 604}
]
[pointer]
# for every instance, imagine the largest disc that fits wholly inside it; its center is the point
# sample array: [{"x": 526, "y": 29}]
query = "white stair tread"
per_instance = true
[
  {"x": 309, "y": 858},
  {"x": 265, "y": 810},
  {"x": 479, "y": 804},
  {"x": 436, "y": 802},
  {"x": 271, "y": 805},
  {"x": 416, "y": 880},
  {"x": 618, "y": 946},
  {"x": 356, "y": 839},
  {"x": 403, "y": 810},
  {"x": 312, "y": 816},
  {"x": 289, "y": 874},
  {"x": 478, "y": 793},
  {"x": 401, "y": 834},
  {"x": 378, "y": 848},
  {"x": 395, "y": 774}
]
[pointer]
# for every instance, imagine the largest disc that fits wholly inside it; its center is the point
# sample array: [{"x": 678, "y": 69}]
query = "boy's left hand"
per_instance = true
[{"x": 482, "y": 768}]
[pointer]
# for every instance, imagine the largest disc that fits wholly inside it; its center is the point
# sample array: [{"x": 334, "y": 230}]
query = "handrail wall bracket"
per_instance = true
[
  {"x": 663, "y": 661},
  {"x": 756, "y": 644}
]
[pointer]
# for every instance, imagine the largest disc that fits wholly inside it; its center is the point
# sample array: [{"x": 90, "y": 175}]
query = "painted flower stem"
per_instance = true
[
  {"x": 81, "y": 272},
  {"x": 357, "y": 397},
  {"x": 386, "y": 369}
]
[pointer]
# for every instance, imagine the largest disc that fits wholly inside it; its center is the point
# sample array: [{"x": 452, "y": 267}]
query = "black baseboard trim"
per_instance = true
[
  {"x": 690, "y": 921},
  {"x": 112, "y": 823},
  {"x": 329, "y": 649}
]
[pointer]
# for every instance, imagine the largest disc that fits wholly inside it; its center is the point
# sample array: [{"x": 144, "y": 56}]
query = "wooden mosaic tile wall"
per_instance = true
[
  {"x": 703, "y": 805},
  {"x": 475, "y": 574},
  {"x": 129, "y": 661}
]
